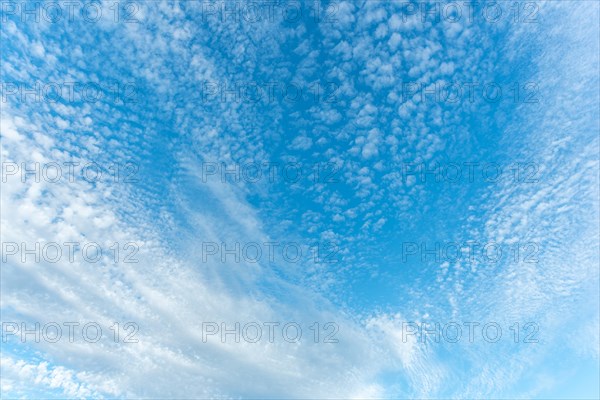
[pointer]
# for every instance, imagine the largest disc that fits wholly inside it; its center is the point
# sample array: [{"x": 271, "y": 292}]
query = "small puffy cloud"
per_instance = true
[{"x": 301, "y": 143}]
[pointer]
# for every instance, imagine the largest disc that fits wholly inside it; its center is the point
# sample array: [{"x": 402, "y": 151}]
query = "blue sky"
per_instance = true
[{"x": 217, "y": 122}]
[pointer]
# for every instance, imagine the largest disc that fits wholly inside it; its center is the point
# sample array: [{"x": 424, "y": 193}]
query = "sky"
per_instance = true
[{"x": 298, "y": 199}]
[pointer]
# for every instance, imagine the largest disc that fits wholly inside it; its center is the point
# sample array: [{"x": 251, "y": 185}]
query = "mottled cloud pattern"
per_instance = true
[{"x": 316, "y": 166}]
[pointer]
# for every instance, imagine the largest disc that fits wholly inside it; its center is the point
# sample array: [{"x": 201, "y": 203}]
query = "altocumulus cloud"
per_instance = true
[{"x": 157, "y": 115}]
